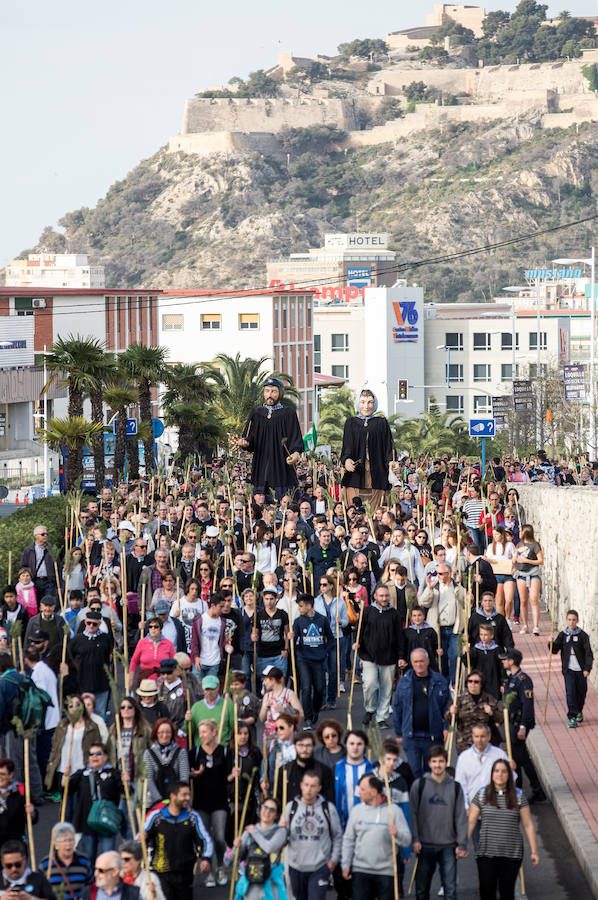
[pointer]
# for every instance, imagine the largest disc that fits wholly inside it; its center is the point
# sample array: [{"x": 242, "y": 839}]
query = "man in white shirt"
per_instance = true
[
  {"x": 474, "y": 765},
  {"x": 43, "y": 676}
]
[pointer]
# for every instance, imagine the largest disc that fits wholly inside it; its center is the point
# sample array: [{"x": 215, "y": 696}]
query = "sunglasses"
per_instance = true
[
  {"x": 127, "y": 707},
  {"x": 153, "y": 626},
  {"x": 270, "y": 809},
  {"x": 16, "y": 865},
  {"x": 96, "y": 752},
  {"x": 473, "y": 681},
  {"x": 124, "y": 859},
  {"x": 91, "y": 622}
]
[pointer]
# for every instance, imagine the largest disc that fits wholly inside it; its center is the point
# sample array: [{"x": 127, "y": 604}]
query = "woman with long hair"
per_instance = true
[
  {"x": 187, "y": 608},
  {"x": 501, "y": 809},
  {"x": 165, "y": 761},
  {"x": 73, "y": 737},
  {"x": 249, "y": 760},
  {"x": 527, "y": 559},
  {"x": 499, "y": 554},
  {"x": 135, "y": 740},
  {"x": 206, "y": 580},
  {"x": 269, "y": 837},
  {"x": 210, "y": 786},
  {"x": 263, "y": 549}
]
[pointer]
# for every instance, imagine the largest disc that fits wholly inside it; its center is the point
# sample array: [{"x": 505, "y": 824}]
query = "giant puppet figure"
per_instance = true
[
  {"x": 366, "y": 454},
  {"x": 273, "y": 435}
]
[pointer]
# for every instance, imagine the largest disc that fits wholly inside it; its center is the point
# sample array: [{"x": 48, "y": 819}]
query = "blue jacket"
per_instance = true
[
  {"x": 439, "y": 698},
  {"x": 343, "y": 616}
]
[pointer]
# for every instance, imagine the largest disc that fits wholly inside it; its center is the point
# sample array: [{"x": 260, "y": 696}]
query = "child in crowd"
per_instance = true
[
  {"x": 420, "y": 635},
  {"x": 484, "y": 656},
  {"x": 576, "y": 660}
]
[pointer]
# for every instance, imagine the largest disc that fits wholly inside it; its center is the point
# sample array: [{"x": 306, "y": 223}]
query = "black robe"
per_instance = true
[
  {"x": 265, "y": 436},
  {"x": 380, "y": 451}
]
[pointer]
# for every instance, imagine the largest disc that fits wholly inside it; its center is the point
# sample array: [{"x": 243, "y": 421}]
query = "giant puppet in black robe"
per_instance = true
[
  {"x": 368, "y": 445},
  {"x": 272, "y": 434}
]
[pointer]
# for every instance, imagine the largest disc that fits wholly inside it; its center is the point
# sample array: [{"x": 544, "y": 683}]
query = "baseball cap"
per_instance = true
[
  {"x": 161, "y": 607},
  {"x": 270, "y": 590},
  {"x": 210, "y": 682},
  {"x": 515, "y": 655},
  {"x": 38, "y": 635},
  {"x": 126, "y": 526},
  {"x": 273, "y": 672}
]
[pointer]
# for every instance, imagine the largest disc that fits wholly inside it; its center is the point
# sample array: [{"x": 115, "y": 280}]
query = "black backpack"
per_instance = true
[
  {"x": 165, "y": 772},
  {"x": 257, "y": 865},
  {"x": 325, "y": 810}
]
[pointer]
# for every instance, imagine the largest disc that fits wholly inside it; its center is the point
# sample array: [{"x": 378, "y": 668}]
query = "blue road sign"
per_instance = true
[
  {"x": 481, "y": 428},
  {"x": 131, "y": 427}
]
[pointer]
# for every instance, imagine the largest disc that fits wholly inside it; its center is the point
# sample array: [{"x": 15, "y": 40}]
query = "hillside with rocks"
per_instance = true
[{"x": 185, "y": 221}]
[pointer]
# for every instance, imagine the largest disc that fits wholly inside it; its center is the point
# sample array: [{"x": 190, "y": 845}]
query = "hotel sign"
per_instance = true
[{"x": 356, "y": 241}]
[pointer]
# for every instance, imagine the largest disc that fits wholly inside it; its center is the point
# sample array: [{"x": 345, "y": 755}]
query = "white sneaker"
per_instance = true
[
  {"x": 221, "y": 878},
  {"x": 536, "y": 631},
  {"x": 342, "y": 688},
  {"x": 210, "y": 881},
  {"x": 523, "y": 629},
  {"x": 441, "y": 891}
]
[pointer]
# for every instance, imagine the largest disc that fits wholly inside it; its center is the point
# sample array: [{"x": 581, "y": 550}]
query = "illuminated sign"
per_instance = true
[
  {"x": 547, "y": 274},
  {"x": 355, "y": 241},
  {"x": 406, "y": 330},
  {"x": 359, "y": 276}
]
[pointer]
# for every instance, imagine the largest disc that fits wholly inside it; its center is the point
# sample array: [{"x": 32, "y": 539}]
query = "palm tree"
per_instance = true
[
  {"x": 118, "y": 398},
  {"x": 240, "y": 387},
  {"x": 101, "y": 373},
  {"x": 71, "y": 434},
  {"x": 146, "y": 365},
  {"x": 188, "y": 406},
  {"x": 432, "y": 432},
  {"x": 336, "y": 406}
]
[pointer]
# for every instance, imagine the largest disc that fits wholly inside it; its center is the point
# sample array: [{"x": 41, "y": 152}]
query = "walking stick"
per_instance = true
[
  {"x": 284, "y": 512},
  {"x": 285, "y": 779},
  {"x": 292, "y": 646},
  {"x": 28, "y": 802},
  {"x": 550, "y": 656},
  {"x": 449, "y": 738},
  {"x": 413, "y": 875},
  {"x": 254, "y": 675},
  {"x": 221, "y": 726},
  {"x": 241, "y": 827},
  {"x": 276, "y": 771},
  {"x": 125, "y": 608},
  {"x": 338, "y": 638},
  {"x": 236, "y": 744},
  {"x": 477, "y": 586},
  {"x": 68, "y": 776},
  {"x": 122, "y": 760},
  {"x": 355, "y": 654},
  {"x": 146, "y": 864},
  {"x": 10, "y": 566}
]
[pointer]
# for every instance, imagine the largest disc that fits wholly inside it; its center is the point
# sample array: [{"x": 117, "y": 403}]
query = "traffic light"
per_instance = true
[{"x": 403, "y": 389}]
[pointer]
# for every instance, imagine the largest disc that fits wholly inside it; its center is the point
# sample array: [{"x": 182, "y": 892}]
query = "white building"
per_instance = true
[
  {"x": 54, "y": 270},
  {"x": 196, "y": 327},
  {"x": 375, "y": 340}
]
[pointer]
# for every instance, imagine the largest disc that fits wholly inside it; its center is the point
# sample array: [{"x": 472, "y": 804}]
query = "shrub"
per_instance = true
[{"x": 16, "y": 531}]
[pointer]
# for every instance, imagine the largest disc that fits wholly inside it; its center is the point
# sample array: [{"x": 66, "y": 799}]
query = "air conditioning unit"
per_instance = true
[{"x": 38, "y": 303}]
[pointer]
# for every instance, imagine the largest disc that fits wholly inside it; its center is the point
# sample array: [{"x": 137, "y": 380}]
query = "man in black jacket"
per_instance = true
[
  {"x": 38, "y": 559},
  {"x": 478, "y": 572},
  {"x": 380, "y": 646},
  {"x": 576, "y": 661},
  {"x": 17, "y": 881},
  {"x": 305, "y": 743},
  {"x": 91, "y": 652}
]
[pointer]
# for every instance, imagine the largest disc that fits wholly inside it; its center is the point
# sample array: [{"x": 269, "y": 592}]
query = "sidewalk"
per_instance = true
[{"x": 565, "y": 757}]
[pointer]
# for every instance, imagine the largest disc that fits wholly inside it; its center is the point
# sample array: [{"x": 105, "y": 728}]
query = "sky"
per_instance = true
[{"x": 88, "y": 90}]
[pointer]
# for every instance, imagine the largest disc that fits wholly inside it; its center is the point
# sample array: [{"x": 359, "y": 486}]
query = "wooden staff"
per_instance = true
[
  {"x": 241, "y": 827},
  {"x": 550, "y": 654},
  {"x": 284, "y": 512},
  {"x": 67, "y": 777},
  {"x": 265, "y": 759},
  {"x": 413, "y": 875},
  {"x": 58, "y": 588},
  {"x": 28, "y": 802},
  {"x": 292, "y": 646},
  {"x": 143, "y": 587},
  {"x": 391, "y": 821},
  {"x": 236, "y": 745},
  {"x": 518, "y": 515},
  {"x": 254, "y": 675},
  {"x": 448, "y": 744},
  {"x": 146, "y": 863},
  {"x": 338, "y": 627},
  {"x": 477, "y": 585},
  {"x": 10, "y": 566},
  {"x": 285, "y": 779},
  {"x": 62, "y": 660},
  {"x": 276, "y": 771},
  {"x": 125, "y": 608},
  {"x": 355, "y": 654},
  {"x": 221, "y": 726}
]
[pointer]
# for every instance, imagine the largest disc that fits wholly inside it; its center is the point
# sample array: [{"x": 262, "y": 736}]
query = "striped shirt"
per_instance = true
[
  {"x": 473, "y": 509},
  {"x": 500, "y": 833},
  {"x": 79, "y": 874}
]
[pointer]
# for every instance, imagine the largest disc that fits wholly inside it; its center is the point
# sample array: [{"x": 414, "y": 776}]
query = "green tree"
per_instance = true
[
  {"x": 318, "y": 139},
  {"x": 432, "y": 432},
  {"x": 454, "y": 29},
  {"x": 119, "y": 397},
  {"x": 239, "y": 387},
  {"x": 417, "y": 91},
  {"x": 363, "y": 48},
  {"x": 71, "y": 434},
  {"x": 146, "y": 367},
  {"x": 336, "y": 406},
  {"x": 494, "y": 21},
  {"x": 100, "y": 374},
  {"x": 188, "y": 406},
  {"x": 389, "y": 108}
]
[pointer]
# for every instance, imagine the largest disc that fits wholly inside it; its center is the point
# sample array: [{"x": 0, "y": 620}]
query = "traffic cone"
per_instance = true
[
  {"x": 17, "y": 498},
  {"x": 25, "y": 500}
]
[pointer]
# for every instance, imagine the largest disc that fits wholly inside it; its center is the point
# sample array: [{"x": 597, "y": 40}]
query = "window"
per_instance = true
[
  {"x": 339, "y": 342},
  {"x": 506, "y": 372},
  {"x": 454, "y": 372},
  {"x": 454, "y": 403},
  {"x": 301, "y": 302},
  {"x": 293, "y": 302},
  {"x": 340, "y": 372},
  {"x": 481, "y": 404},
  {"x": 533, "y": 369},
  {"x": 277, "y": 315},
  {"x": 211, "y": 321},
  {"x": 24, "y": 306},
  {"x": 309, "y": 301},
  {"x": 118, "y": 316},
  {"x": 454, "y": 340},
  {"x": 533, "y": 340},
  {"x": 317, "y": 353},
  {"x": 481, "y": 340},
  {"x": 173, "y": 322},
  {"x": 249, "y": 321},
  {"x": 506, "y": 341},
  {"x": 481, "y": 373},
  {"x": 284, "y": 313}
]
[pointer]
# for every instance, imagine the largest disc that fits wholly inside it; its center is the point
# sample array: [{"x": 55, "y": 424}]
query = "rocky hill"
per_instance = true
[{"x": 184, "y": 221}]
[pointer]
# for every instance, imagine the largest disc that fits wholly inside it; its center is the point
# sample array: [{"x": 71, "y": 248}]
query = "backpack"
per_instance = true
[
  {"x": 165, "y": 773},
  {"x": 258, "y": 867},
  {"x": 325, "y": 810},
  {"x": 30, "y": 703},
  {"x": 458, "y": 792}
]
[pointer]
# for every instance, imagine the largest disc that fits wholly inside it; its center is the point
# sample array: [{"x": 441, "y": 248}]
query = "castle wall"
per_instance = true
[
  {"x": 242, "y": 114},
  {"x": 225, "y": 142}
]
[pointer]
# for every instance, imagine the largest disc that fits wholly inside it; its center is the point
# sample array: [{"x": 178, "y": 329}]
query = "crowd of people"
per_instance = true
[{"x": 170, "y": 679}]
